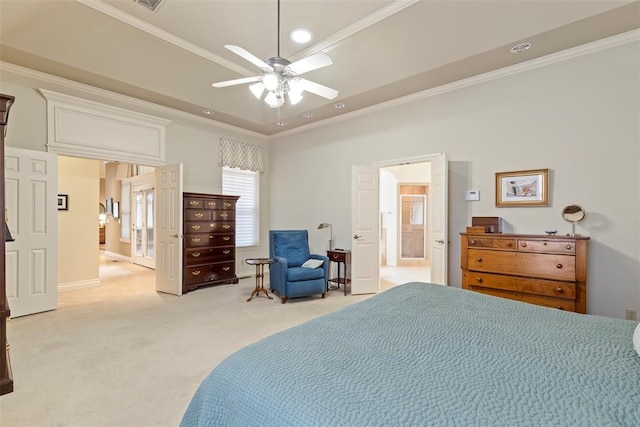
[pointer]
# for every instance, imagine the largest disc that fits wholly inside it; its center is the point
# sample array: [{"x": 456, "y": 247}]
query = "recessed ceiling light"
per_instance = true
[
  {"x": 522, "y": 47},
  {"x": 339, "y": 105},
  {"x": 307, "y": 115},
  {"x": 300, "y": 35},
  {"x": 207, "y": 112},
  {"x": 282, "y": 123}
]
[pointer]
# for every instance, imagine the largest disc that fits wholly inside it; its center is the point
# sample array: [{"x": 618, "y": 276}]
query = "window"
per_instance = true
[{"x": 244, "y": 183}]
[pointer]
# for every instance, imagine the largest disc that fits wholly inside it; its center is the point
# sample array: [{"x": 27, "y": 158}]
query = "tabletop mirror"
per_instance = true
[{"x": 573, "y": 214}]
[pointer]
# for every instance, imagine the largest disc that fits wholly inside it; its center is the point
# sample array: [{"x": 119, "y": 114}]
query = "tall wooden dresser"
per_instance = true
[
  {"x": 209, "y": 255},
  {"x": 6, "y": 380},
  {"x": 544, "y": 270}
]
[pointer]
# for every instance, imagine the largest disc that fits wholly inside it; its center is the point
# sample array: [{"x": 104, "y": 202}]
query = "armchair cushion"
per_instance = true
[
  {"x": 296, "y": 274},
  {"x": 292, "y": 246}
]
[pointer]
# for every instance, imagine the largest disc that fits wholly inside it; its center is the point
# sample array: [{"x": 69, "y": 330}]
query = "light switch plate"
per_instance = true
[{"x": 472, "y": 195}]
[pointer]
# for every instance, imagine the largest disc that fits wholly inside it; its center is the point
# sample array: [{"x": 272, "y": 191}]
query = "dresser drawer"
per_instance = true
[
  {"x": 550, "y": 288},
  {"x": 545, "y": 266},
  {"x": 190, "y": 203},
  {"x": 338, "y": 256},
  {"x": 562, "y": 247},
  {"x": 223, "y": 215},
  {"x": 208, "y": 227},
  {"x": 211, "y": 204},
  {"x": 197, "y": 215},
  {"x": 561, "y": 304},
  {"x": 198, "y": 256},
  {"x": 206, "y": 239},
  {"x": 486, "y": 242},
  {"x": 209, "y": 273}
]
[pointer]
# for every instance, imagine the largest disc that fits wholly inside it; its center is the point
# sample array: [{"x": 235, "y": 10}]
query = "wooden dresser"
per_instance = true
[
  {"x": 6, "y": 380},
  {"x": 543, "y": 270},
  {"x": 209, "y": 240}
]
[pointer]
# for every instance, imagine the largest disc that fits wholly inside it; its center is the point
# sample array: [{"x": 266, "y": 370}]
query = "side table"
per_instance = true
[
  {"x": 259, "y": 263},
  {"x": 340, "y": 256}
]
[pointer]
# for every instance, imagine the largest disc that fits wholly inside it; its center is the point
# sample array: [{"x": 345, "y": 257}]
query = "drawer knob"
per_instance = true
[
  {"x": 211, "y": 203},
  {"x": 558, "y": 265},
  {"x": 335, "y": 256},
  {"x": 195, "y": 227},
  {"x": 226, "y": 268},
  {"x": 544, "y": 244},
  {"x": 473, "y": 242},
  {"x": 227, "y": 204},
  {"x": 523, "y": 244},
  {"x": 479, "y": 279},
  {"x": 195, "y": 254},
  {"x": 193, "y": 203},
  {"x": 196, "y": 273},
  {"x": 199, "y": 215},
  {"x": 195, "y": 239},
  {"x": 559, "y": 290},
  {"x": 226, "y": 226},
  {"x": 226, "y": 252},
  {"x": 226, "y": 238},
  {"x": 509, "y": 244},
  {"x": 568, "y": 247},
  {"x": 479, "y": 259}
]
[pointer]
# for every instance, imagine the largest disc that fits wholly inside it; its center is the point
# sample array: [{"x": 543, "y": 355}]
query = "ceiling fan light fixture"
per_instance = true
[
  {"x": 271, "y": 81},
  {"x": 295, "y": 97},
  {"x": 274, "y": 100},
  {"x": 257, "y": 89}
]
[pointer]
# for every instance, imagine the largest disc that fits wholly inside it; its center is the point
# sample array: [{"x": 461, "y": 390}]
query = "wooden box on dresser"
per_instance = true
[
  {"x": 6, "y": 380},
  {"x": 544, "y": 270},
  {"x": 209, "y": 255}
]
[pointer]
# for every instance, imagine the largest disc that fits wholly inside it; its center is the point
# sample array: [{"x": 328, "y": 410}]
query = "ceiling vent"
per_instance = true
[{"x": 153, "y": 5}]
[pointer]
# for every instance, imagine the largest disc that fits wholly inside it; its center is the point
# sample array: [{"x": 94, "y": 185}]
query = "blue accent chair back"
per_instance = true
[{"x": 288, "y": 279}]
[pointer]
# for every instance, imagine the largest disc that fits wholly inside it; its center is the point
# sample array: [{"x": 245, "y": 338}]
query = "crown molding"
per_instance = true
[
  {"x": 129, "y": 101},
  {"x": 543, "y": 61}
]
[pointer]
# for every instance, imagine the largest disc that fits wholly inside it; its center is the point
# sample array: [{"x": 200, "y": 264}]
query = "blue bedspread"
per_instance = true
[{"x": 426, "y": 355}]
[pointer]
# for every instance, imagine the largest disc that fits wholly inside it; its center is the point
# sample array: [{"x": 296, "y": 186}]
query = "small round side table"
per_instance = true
[{"x": 259, "y": 263}]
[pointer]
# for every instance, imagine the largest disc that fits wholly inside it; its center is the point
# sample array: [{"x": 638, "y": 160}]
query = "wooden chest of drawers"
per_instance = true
[
  {"x": 543, "y": 270},
  {"x": 209, "y": 251}
]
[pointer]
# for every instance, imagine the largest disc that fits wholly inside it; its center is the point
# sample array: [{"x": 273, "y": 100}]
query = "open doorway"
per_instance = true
[{"x": 404, "y": 224}]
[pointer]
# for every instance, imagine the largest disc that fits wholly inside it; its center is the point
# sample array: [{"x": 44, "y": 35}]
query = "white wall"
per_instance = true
[{"x": 579, "y": 117}]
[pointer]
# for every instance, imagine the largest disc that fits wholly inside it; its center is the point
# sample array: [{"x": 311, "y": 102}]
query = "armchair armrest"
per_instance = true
[
  {"x": 325, "y": 265},
  {"x": 278, "y": 275}
]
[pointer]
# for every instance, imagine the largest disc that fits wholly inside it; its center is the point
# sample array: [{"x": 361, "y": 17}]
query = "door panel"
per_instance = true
[
  {"x": 168, "y": 226},
  {"x": 365, "y": 230},
  {"x": 31, "y": 191},
  {"x": 438, "y": 214}
]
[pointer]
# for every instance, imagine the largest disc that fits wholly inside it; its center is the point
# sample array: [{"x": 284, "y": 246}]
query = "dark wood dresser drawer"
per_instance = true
[
  {"x": 549, "y": 266},
  {"x": 550, "y": 288},
  {"x": 223, "y": 215},
  {"x": 197, "y": 215},
  {"x": 209, "y": 273},
  {"x": 487, "y": 242},
  {"x": 209, "y": 227},
  {"x": 206, "y": 239},
  {"x": 208, "y": 255}
]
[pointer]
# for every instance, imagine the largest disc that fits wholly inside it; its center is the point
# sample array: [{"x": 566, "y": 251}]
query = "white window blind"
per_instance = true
[{"x": 244, "y": 183}]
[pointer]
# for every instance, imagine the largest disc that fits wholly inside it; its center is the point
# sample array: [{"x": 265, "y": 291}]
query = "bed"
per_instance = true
[{"x": 421, "y": 354}]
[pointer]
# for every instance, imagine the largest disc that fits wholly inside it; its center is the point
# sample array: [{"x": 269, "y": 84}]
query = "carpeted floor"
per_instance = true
[{"x": 120, "y": 354}]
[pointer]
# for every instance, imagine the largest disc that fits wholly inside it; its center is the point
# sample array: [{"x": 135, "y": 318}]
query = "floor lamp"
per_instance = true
[{"x": 327, "y": 225}]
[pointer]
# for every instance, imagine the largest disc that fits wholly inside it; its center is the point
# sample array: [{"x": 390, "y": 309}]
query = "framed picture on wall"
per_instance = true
[
  {"x": 522, "y": 188},
  {"x": 109, "y": 205},
  {"x": 116, "y": 209}
]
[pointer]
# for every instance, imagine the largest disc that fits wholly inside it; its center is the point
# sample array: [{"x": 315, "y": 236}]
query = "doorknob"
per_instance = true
[
  {"x": 175, "y": 236},
  {"x": 440, "y": 241},
  {"x": 355, "y": 236}
]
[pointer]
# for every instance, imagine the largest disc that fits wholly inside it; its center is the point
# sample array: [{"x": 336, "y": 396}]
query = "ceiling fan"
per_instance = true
[{"x": 280, "y": 76}]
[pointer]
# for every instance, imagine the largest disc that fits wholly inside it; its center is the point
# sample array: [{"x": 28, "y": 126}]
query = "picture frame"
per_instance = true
[
  {"x": 522, "y": 188},
  {"x": 63, "y": 202},
  {"x": 109, "y": 205},
  {"x": 116, "y": 210}
]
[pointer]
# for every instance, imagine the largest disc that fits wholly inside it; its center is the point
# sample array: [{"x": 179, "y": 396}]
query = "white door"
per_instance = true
[
  {"x": 168, "y": 225},
  {"x": 31, "y": 196},
  {"x": 364, "y": 230},
  {"x": 438, "y": 214}
]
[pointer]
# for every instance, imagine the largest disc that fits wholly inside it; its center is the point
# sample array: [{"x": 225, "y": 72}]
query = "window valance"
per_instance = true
[{"x": 236, "y": 154}]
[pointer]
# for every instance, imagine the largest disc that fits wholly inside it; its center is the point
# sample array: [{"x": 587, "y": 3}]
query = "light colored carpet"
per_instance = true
[{"x": 121, "y": 354}]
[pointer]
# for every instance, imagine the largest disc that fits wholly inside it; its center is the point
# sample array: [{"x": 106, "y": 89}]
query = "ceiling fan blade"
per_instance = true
[
  {"x": 249, "y": 57},
  {"x": 310, "y": 63},
  {"x": 318, "y": 89},
  {"x": 237, "y": 81}
]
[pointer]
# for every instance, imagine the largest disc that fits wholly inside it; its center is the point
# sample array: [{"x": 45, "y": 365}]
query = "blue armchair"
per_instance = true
[{"x": 288, "y": 279}]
